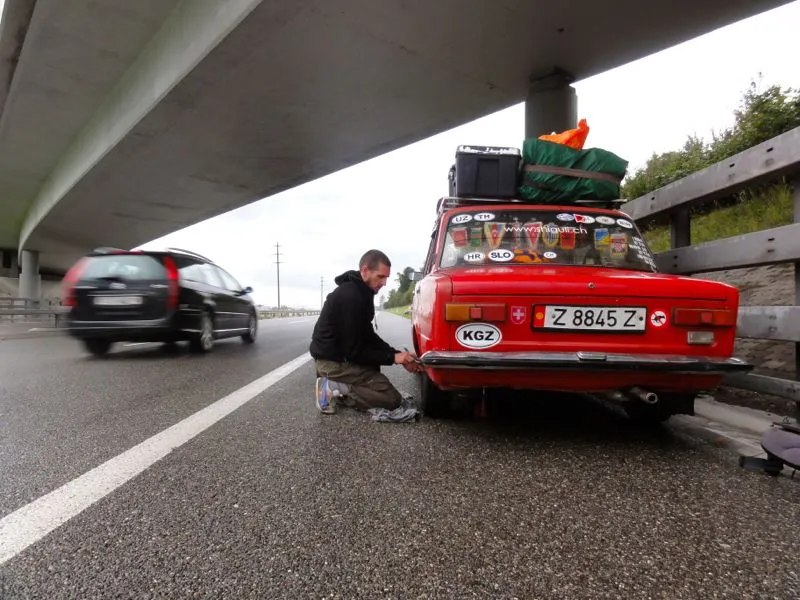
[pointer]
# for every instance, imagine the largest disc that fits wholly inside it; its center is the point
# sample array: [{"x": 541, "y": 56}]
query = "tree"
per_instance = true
[{"x": 761, "y": 115}]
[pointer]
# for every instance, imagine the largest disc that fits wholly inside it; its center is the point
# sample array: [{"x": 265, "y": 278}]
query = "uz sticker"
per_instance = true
[
  {"x": 460, "y": 219},
  {"x": 658, "y": 318},
  {"x": 478, "y": 335}
]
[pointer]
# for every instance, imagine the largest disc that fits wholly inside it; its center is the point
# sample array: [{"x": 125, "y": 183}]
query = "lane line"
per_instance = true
[{"x": 34, "y": 521}]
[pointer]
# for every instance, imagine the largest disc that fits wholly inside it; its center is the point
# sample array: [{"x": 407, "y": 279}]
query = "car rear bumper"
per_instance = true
[
  {"x": 582, "y": 361},
  {"x": 141, "y": 330}
]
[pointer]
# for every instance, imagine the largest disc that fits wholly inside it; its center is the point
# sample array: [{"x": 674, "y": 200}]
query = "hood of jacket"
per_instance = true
[{"x": 353, "y": 276}]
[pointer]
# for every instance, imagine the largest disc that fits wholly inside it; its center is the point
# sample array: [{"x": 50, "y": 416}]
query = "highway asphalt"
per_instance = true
[{"x": 161, "y": 474}]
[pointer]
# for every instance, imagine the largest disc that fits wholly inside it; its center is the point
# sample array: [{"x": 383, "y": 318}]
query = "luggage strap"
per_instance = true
[{"x": 572, "y": 173}]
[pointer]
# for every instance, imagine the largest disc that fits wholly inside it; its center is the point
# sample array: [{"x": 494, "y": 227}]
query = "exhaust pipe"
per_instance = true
[
  {"x": 616, "y": 396},
  {"x": 644, "y": 395}
]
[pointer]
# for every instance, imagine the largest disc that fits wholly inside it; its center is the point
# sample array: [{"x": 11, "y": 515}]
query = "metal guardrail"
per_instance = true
[
  {"x": 278, "y": 314},
  {"x": 16, "y": 309},
  {"x": 762, "y": 164}
]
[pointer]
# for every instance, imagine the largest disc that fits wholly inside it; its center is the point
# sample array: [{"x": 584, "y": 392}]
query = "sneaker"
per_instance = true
[{"x": 324, "y": 403}]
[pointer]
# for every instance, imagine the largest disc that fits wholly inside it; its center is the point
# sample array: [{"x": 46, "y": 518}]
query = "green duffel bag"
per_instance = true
[{"x": 554, "y": 172}]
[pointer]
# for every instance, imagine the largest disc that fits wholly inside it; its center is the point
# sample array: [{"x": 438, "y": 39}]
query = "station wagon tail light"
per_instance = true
[
  {"x": 70, "y": 280},
  {"x": 172, "y": 276},
  {"x": 703, "y": 316},
  {"x": 474, "y": 312}
]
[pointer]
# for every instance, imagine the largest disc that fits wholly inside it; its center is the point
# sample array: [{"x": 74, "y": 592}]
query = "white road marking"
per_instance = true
[{"x": 34, "y": 521}]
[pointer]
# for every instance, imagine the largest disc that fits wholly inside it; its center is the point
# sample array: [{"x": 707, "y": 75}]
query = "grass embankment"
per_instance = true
[
  {"x": 773, "y": 208},
  {"x": 400, "y": 310}
]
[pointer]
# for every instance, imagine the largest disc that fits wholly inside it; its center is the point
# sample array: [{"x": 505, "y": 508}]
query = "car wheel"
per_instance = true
[
  {"x": 97, "y": 347},
  {"x": 204, "y": 341},
  {"x": 252, "y": 330},
  {"x": 433, "y": 401}
]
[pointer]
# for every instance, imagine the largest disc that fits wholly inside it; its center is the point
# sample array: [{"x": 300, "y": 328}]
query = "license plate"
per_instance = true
[
  {"x": 118, "y": 300},
  {"x": 590, "y": 318}
]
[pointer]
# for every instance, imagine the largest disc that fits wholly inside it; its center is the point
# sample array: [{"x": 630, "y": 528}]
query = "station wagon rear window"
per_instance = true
[
  {"x": 543, "y": 237},
  {"x": 131, "y": 267}
]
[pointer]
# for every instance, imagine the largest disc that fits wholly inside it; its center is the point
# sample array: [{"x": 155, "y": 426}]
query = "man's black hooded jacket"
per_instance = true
[{"x": 344, "y": 330}]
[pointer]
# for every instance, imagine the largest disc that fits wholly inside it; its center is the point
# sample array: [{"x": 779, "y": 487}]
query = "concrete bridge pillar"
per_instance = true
[
  {"x": 30, "y": 282},
  {"x": 551, "y": 104}
]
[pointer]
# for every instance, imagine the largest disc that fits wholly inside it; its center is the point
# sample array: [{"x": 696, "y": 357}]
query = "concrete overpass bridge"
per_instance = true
[{"x": 124, "y": 121}]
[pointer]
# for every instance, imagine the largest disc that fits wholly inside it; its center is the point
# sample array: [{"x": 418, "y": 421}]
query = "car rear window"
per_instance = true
[
  {"x": 124, "y": 266},
  {"x": 544, "y": 237}
]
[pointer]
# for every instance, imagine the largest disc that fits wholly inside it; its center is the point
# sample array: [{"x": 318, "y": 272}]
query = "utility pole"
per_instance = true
[
  {"x": 278, "y": 266},
  {"x": 321, "y": 283}
]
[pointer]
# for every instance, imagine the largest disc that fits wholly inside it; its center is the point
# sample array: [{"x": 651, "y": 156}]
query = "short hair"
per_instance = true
[{"x": 372, "y": 259}]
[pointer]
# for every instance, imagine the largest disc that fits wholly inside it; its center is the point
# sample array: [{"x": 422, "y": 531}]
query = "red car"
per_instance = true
[{"x": 564, "y": 298}]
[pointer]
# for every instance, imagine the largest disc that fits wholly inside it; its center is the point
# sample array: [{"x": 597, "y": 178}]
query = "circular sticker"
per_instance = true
[
  {"x": 658, "y": 318},
  {"x": 501, "y": 255},
  {"x": 565, "y": 217},
  {"x": 605, "y": 220},
  {"x": 550, "y": 255},
  {"x": 625, "y": 223},
  {"x": 584, "y": 219},
  {"x": 473, "y": 257},
  {"x": 484, "y": 216},
  {"x": 459, "y": 219}
]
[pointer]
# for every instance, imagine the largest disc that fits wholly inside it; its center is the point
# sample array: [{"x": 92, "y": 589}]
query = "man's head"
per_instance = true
[{"x": 375, "y": 267}]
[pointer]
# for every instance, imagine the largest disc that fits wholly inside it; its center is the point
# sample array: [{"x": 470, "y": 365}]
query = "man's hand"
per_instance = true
[
  {"x": 409, "y": 361},
  {"x": 405, "y": 358}
]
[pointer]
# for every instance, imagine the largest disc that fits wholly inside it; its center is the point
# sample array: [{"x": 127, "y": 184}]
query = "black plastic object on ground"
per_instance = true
[{"x": 781, "y": 442}]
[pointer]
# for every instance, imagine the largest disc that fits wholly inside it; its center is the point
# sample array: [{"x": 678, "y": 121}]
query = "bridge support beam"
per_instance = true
[
  {"x": 551, "y": 104},
  {"x": 30, "y": 281}
]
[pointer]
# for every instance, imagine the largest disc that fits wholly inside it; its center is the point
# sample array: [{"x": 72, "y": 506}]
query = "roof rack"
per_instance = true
[
  {"x": 450, "y": 202},
  {"x": 190, "y": 253},
  {"x": 108, "y": 250}
]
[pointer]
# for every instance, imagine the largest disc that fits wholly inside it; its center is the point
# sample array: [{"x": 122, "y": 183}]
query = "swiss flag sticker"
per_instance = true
[{"x": 518, "y": 314}]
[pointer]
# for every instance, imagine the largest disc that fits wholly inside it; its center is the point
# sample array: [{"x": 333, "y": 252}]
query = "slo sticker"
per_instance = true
[
  {"x": 550, "y": 255},
  {"x": 474, "y": 257},
  {"x": 478, "y": 335},
  {"x": 565, "y": 217},
  {"x": 605, "y": 220},
  {"x": 502, "y": 255},
  {"x": 460, "y": 219},
  {"x": 658, "y": 318},
  {"x": 485, "y": 216},
  {"x": 625, "y": 223}
]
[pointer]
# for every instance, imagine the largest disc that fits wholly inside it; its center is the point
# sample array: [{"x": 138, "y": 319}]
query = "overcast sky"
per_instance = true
[{"x": 647, "y": 106}]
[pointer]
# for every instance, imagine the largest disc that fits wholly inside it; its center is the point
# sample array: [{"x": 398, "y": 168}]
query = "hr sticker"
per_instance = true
[{"x": 473, "y": 257}]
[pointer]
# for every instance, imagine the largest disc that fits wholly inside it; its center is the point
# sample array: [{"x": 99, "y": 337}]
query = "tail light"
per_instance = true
[
  {"x": 172, "y": 276},
  {"x": 475, "y": 312},
  {"x": 703, "y": 316},
  {"x": 70, "y": 279}
]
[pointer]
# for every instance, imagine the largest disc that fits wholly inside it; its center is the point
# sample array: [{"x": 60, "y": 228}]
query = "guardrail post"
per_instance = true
[{"x": 680, "y": 228}]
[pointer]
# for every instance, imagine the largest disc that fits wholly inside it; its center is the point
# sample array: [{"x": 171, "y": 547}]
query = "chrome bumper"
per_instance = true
[{"x": 581, "y": 361}]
